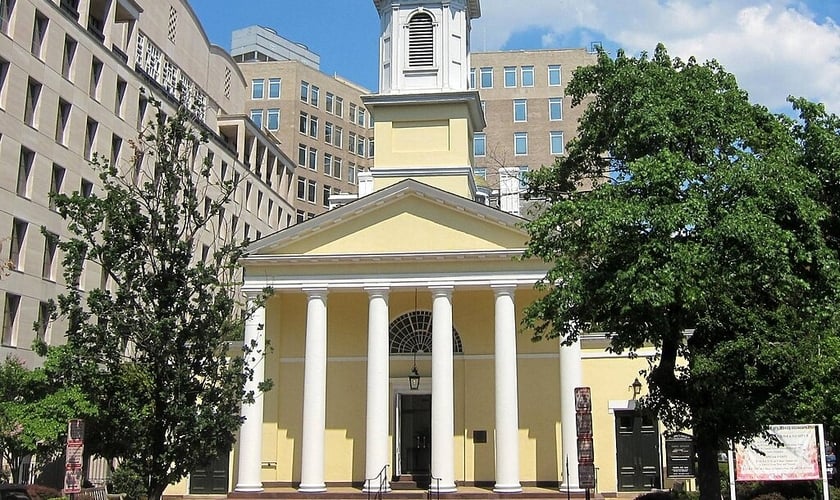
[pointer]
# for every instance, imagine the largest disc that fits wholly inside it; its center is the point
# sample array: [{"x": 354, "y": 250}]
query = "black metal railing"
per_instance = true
[
  {"x": 382, "y": 480},
  {"x": 436, "y": 491}
]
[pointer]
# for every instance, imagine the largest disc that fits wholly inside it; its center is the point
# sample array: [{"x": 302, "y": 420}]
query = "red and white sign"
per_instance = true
[
  {"x": 74, "y": 453},
  {"x": 798, "y": 457},
  {"x": 585, "y": 448}
]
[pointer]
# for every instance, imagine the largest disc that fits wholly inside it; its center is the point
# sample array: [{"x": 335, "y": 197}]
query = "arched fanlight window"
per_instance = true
[
  {"x": 421, "y": 40},
  {"x": 412, "y": 333}
]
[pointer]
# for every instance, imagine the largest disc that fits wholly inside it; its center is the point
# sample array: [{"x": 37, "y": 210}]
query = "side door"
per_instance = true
[
  {"x": 637, "y": 451},
  {"x": 211, "y": 480}
]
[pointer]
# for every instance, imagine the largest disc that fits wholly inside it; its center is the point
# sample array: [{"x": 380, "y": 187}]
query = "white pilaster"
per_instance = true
[
  {"x": 570, "y": 377},
  {"x": 507, "y": 394},
  {"x": 443, "y": 409},
  {"x": 314, "y": 393},
  {"x": 376, "y": 434},
  {"x": 250, "y": 434}
]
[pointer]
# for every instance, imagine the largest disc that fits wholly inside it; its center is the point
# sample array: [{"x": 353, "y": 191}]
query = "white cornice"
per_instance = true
[{"x": 383, "y": 258}]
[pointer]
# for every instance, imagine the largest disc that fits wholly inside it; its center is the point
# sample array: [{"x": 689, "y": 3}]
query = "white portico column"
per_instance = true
[
  {"x": 250, "y": 434},
  {"x": 570, "y": 377},
  {"x": 376, "y": 434},
  {"x": 314, "y": 393},
  {"x": 443, "y": 409},
  {"x": 507, "y": 393}
]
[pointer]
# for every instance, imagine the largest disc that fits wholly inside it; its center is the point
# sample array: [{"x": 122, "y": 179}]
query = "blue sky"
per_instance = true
[{"x": 774, "y": 47}]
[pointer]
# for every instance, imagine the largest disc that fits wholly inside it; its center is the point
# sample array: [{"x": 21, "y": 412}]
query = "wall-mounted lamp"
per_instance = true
[
  {"x": 414, "y": 377},
  {"x": 637, "y": 388}
]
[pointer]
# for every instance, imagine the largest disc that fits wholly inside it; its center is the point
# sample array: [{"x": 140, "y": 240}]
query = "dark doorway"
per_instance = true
[
  {"x": 212, "y": 479},
  {"x": 637, "y": 451},
  {"x": 415, "y": 434}
]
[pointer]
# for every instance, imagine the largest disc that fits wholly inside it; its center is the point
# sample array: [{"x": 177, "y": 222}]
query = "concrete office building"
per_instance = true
[
  {"x": 71, "y": 74},
  {"x": 529, "y": 118},
  {"x": 319, "y": 119}
]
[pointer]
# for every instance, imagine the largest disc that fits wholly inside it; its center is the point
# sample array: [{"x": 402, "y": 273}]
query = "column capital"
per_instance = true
[
  {"x": 316, "y": 291},
  {"x": 503, "y": 288},
  {"x": 442, "y": 290},
  {"x": 378, "y": 291}
]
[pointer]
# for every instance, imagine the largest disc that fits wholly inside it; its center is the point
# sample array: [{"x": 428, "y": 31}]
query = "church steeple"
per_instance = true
[
  {"x": 425, "y": 115},
  {"x": 424, "y": 45}
]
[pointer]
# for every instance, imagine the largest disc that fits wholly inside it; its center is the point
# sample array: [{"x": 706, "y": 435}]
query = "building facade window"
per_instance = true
[
  {"x": 273, "y": 119},
  {"x": 325, "y": 195},
  {"x": 301, "y": 188},
  {"x": 351, "y": 173},
  {"x": 16, "y": 243},
  {"x": 302, "y": 155},
  {"x": 328, "y": 133},
  {"x": 421, "y": 41},
  {"x": 520, "y": 110},
  {"x": 303, "y": 123},
  {"x": 336, "y": 170},
  {"x": 25, "y": 162},
  {"x": 314, "y": 95},
  {"x": 68, "y": 57},
  {"x": 50, "y": 247},
  {"x": 256, "y": 117},
  {"x": 486, "y": 78},
  {"x": 6, "y": 8},
  {"x": 527, "y": 76},
  {"x": 554, "y": 75},
  {"x": 95, "y": 78},
  {"x": 311, "y": 190},
  {"x": 56, "y": 183},
  {"x": 472, "y": 78},
  {"x": 479, "y": 144},
  {"x": 61, "y": 121},
  {"x": 257, "y": 88},
  {"x": 304, "y": 91},
  {"x": 91, "y": 126},
  {"x": 328, "y": 163},
  {"x": 510, "y": 76},
  {"x": 119, "y": 99},
  {"x": 4, "y": 72},
  {"x": 33, "y": 95},
  {"x": 555, "y": 108},
  {"x": 39, "y": 33},
  {"x": 520, "y": 143},
  {"x": 313, "y": 159},
  {"x": 274, "y": 87},
  {"x": 313, "y": 126},
  {"x": 329, "y": 101},
  {"x": 338, "y": 137},
  {"x": 339, "y": 106},
  {"x": 556, "y": 142},
  {"x": 10, "y": 318},
  {"x": 480, "y": 172}
]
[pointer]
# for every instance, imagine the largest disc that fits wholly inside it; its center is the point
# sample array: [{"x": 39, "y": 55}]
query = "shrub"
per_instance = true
[
  {"x": 41, "y": 492},
  {"x": 126, "y": 481}
]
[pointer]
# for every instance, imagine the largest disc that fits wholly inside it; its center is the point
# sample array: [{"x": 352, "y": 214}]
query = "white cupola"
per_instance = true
[{"x": 424, "y": 45}]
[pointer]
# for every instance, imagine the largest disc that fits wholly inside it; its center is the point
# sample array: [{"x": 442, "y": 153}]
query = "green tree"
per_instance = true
[
  {"x": 153, "y": 348},
  {"x": 683, "y": 218},
  {"x": 34, "y": 414}
]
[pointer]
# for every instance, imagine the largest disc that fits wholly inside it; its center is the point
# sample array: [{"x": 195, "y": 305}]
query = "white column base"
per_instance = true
[
  {"x": 504, "y": 488},
  {"x": 249, "y": 488},
  {"x": 312, "y": 488},
  {"x": 444, "y": 488}
]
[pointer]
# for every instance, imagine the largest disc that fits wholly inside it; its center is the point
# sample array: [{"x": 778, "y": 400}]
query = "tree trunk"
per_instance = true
[{"x": 708, "y": 475}]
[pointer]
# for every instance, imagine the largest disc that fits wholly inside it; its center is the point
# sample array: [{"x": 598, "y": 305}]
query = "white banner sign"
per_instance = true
[{"x": 797, "y": 458}]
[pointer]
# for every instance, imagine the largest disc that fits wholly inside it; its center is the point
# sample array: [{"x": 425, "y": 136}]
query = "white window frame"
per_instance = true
[
  {"x": 486, "y": 71},
  {"x": 275, "y": 113},
  {"x": 517, "y": 136},
  {"x": 527, "y": 70},
  {"x": 258, "y": 83},
  {"x": 480, "y": 137},
  {"x": 510, "y": 71},
  {"x": 523, "y": 104},
  {"x": 275, "y": 83},
  {"x": 556, "y": 135},
  {"x": 555, "y": 101},
  {"x": 558, "y": 70}
]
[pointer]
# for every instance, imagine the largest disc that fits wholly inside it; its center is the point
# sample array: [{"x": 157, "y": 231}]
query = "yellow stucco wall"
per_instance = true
[
  {"x": 458, "y": 184},
  {"x": 412, "y": 225},
  {"x": 432, "y": 135}
]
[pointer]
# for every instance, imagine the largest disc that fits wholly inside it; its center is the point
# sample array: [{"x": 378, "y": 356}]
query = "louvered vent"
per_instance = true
[{"x": 421, "y": 41}]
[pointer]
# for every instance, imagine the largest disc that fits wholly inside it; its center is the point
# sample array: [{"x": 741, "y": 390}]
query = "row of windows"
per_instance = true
[
  {"x": 521, "y": 76},
  {"x": 307, "y": 190},
  {"x": 12, "y": 319},
  {"x": 555, "y": 109},
  {"x": 332, "y": 165},
  {"x": 258, "y": 90},
  {"x": 520, "y": 143},
  {"x": 333, "y": 134},
  {"x": 270, "y": 117},
  {"x": 333, "y": 104}
]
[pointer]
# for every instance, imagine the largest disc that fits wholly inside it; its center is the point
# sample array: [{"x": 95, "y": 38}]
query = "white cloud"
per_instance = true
[{"x": 774, "y": 47}]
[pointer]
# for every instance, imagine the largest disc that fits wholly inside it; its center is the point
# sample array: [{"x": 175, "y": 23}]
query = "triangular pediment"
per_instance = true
[{"x": 408, "y": 217}]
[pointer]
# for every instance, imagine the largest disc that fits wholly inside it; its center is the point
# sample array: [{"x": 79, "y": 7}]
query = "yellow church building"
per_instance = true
[{"x": 397, "y": 350}]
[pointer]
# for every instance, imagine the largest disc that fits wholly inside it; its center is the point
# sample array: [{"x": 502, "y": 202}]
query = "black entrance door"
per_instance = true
[
  {"x": 637, "y": 451},
  {"x": 212, "y": 479},
  {"x": 416, "y": 434}
]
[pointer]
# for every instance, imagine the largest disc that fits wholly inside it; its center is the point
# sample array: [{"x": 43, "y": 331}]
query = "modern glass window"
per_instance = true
[
  {"x": 555, "y": 108},
  {"x": 33, "y": 95},
  {"x": 303, "y": 124},
  {"x": 556, "y": 140},
  {"x": 370, "y": 147},
  {"x": 10, "y": 318},
  {"x": 520, "y": 110},
  {"x": 256, "y": 117},
  {"x": 328, "y": 133},
  {"x": 50, "y": 246},
  {"x": 304, "y": 91},
  {"x": 338, "y": 137},
  {"x": 313, "y": 126},
  {"x": 351, "y": 139},
  {"x": 510, "y": 76},
  {"x": 313, "y": 159},
  {"x": 520, "y": 143},
  {"x": 480, "y": 172},
  {"x": 472, "y": 78},
  {"x": 353, "y": 109},
  {"x": 274, "y": 88},
  {"x": 329, "y": 101},
  {"x": 486, "y": 78},
  {"x": 351, "y": 173},
  {"x": 314, "y": 95},
  {"x": 95, "y": 78},
  {"x": 527, "y": 76},
  {"x": 339, "y": 106},
  {"x": 258, "y": 88},
  {"x": 554, "y": 75},
  {"x": 61, "y": 121},
  {"x": 302, "y": 155},
  {"x": 273, "y": 119},
  {"x": 56, "y": 183},
  {"x": 301, "y": 216},
  {"x": 421, "y": 41},
  {"x": 6, "y": 8},
  {"x": 19, "y": 228},
  {"x": 325, "y": 195},
  {"x": 360, "y": 119},
  {"x": 119, "y": 99},
  {"x": 27, "y": 159},
  {"x": 337, "y": 168},
  {"x": 39, "y": 33},
  {"x": 311, "y": 190},
  {"x": 301, "y": 188},
  {"x": 91, "y": 126},
  {"x": 328, "y": 163},
  {"x": 68, "y": 57},
  {"x": 360, "y": 146},
  {"x": 479, "y": 144}
]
